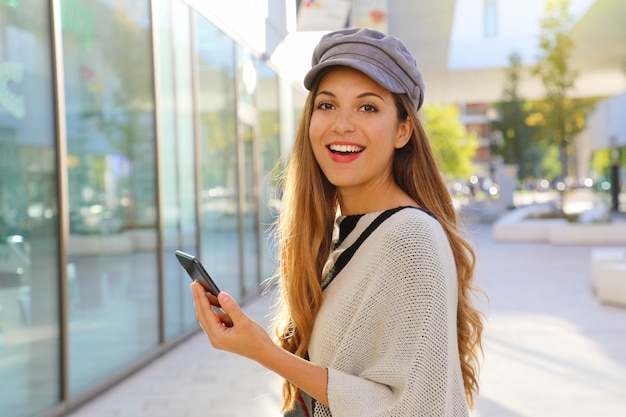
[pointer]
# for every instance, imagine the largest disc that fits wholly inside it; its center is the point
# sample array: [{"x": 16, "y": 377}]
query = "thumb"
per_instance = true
[{"x": 230, "y": 306}]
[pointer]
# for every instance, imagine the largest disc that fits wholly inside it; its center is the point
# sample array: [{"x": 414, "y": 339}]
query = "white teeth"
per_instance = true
[{"x": 345, "y": 148}]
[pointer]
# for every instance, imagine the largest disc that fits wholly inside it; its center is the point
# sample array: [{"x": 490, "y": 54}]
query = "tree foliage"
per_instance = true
[
  {"x": 516, "y": 134},
  {"x": 561, "y": 116},
  {"x": 452, "y": 145}
]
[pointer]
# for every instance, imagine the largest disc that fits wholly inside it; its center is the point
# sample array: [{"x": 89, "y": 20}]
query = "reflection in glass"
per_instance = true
[
  {"x": 269, "y": 158},
  {"x": 29, "y": 296},
  {"x": 177, "y": 163},
  {"x": 250, "y": 215},
  {"x": 491, "y": 18},
  {"x": 247, "y": 81},
  {"x": 111, "y": 178},
  {"x": 218, "y": 150}
]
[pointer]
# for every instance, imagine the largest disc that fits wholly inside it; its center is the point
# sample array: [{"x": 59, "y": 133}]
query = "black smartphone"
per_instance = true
[{"x": 197, "y": 272}]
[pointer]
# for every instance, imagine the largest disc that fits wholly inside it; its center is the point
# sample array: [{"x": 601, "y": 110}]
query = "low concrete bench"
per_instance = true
[
  {"x": 611, "y": 284},
  {"x": 519, "y": 226},
  {"x": 588, "y": 234},
  {"x": 608, "y": 275},
  {"x": 530, "y": 230}
]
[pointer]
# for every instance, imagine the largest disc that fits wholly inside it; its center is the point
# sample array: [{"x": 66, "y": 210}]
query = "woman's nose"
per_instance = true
[{"x": 343, "y": 122}]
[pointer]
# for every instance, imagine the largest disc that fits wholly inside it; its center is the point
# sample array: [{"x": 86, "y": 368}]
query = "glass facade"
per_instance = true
[
  {"x": 219, "y": 179},
  {"x": 177, "y": 162},
  {"x": 29, "y": 209},
  {"x": 248, "y": 168},
  {"x": 269, "y": 160},
  {"x": 111, "y": 169},
  {"x": 491, "y": 18},
  {"x": 158, "y": 132}
]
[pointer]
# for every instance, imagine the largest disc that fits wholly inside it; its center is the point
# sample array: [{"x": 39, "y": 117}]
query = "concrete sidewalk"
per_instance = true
[
  {"x": 195, "y": 380},
  {"x": 551, "y": 350}
]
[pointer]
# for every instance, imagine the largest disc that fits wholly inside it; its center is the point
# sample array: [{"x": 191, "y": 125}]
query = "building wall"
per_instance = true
[
  {"x": 606, "y": 127},
  {"x": 127, "y": 130}
]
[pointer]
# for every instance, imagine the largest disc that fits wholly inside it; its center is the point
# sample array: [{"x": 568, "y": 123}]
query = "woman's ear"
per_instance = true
[{"x": 405, "y": 130}]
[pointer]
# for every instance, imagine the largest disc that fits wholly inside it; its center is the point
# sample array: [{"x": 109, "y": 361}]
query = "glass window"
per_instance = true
[
  {"x": 270, "y": 161},
  {"x": 112, "y": 195},
  {"x": 219, "y": 156},
  {"x": 491, "y": 18},
  {"x": 247, "y": 80},
  {"x": 177, "y": 162},
  {"x": 186, "y": 153},
  {"x": 29, "y": 296},
  {"x": 250, "y": 220}
]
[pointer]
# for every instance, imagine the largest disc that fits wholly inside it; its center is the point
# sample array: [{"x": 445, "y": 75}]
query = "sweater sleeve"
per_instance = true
[{"x": 399, "y": 354}]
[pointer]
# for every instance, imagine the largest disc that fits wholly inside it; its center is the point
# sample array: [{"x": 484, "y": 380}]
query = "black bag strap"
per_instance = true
[{"x": 346, "y": 255}]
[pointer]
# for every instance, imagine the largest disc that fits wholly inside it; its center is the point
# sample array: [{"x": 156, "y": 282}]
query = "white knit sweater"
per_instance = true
[{"x": 386, "y": 329}]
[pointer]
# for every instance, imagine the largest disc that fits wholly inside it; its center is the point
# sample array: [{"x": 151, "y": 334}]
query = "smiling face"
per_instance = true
[{"x": 355, "y": 131}]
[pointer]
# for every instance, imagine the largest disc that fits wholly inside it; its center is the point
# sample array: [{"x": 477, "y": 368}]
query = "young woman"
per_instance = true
[{"x": 375, "y": 315}]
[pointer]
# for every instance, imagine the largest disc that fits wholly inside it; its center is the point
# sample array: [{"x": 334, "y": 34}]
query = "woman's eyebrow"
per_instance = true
[
  {"x": 325, "y": 93},
  {"x": 362, "y": 95},
  {"x": 368, "y": 94}
]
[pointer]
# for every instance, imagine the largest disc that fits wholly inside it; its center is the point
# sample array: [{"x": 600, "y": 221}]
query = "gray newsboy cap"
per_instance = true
[{"x": 383, "y": 58}]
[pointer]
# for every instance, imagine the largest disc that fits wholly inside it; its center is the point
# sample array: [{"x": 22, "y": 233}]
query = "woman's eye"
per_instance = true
[
  {"x": 368, "y": 108},
  {"x": 324, "y": 106}
]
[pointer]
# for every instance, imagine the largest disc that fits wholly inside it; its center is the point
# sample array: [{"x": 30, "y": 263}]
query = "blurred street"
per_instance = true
[{"x": 550, "y": 349}]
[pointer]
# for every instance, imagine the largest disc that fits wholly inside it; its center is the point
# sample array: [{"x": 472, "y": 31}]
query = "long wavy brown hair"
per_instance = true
[{"x": 304, "y": 235}]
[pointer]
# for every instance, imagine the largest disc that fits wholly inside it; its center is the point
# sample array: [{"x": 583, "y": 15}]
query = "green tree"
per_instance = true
[
  {"x": 516, "y": 146},
  {"x": 547, "y": 164},
  {"x": 561, "y": 116},
  {"x": 452, "y": 145}
]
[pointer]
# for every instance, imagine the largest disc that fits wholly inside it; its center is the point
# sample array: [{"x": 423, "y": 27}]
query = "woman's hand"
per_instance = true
[
  {"x": 233, "y": 331},
  {"x": 248, "y": 338}
]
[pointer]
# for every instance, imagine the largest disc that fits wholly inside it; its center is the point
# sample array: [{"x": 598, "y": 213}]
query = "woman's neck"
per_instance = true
[{"x": 373, "y": 201}]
